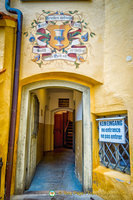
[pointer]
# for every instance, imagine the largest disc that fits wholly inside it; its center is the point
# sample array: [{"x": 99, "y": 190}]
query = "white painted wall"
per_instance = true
[
  {"x": 78, "y": 105},
  {"x": 53, "y": 96}
]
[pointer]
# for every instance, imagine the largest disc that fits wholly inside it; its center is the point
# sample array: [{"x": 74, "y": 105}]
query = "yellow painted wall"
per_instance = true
[
  {"x": 47, "y": 137},
  {"x": 95, "y": 18},
  {"x": 8, "y": 33},
  {"x": 111, "y": 20},
  {"x": 40, "y": 142},
  {"x": 70, "y": 116},
  {"x": 42, "y": 97},
  {"x": 115, "y": 95},
  {"x": 110, "y": 184}
]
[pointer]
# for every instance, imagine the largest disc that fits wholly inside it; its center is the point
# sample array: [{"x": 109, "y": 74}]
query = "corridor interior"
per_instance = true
[
  {"x": 54, "y": 141},
  {"x": 56, "y": 172}
]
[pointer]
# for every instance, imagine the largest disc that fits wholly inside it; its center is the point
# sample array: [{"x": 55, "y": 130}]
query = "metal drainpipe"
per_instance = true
[{"x": 9, "y": 164}]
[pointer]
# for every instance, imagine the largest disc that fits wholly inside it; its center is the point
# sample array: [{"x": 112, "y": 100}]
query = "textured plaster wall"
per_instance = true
[
  {"x": 7, "y": 32},
  {"x": 117, "y": 88},
  {"x": 42, "y": 97},
  {"x": 112, "y": 21},
  {"x": 40, "y": 142},
  {"x": 116, "y": 94},
  {"x": 53, "y": 96},
  {"x": 91, "y": 11}
]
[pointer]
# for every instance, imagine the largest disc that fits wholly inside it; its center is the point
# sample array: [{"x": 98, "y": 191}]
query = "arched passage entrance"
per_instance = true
[
  {"x": 86, "y": 131},
  {"x": 63, "y": 117}
]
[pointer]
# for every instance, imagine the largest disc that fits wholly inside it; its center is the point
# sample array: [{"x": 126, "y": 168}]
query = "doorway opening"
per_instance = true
[
  {"x": 64, "y": 129},
  {"x": 69, "y": 140},
  {"x": 51, "y": 141}
]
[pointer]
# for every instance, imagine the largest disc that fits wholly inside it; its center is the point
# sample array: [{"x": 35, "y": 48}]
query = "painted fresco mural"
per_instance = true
[{"x": 59, "y": 36}]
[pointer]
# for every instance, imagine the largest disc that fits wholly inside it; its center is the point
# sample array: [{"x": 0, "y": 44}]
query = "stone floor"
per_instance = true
[{"x": 56, "y": 172}]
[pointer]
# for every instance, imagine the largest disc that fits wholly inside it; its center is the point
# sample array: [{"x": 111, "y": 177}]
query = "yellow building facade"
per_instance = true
[{"x": 82, "y": 46}]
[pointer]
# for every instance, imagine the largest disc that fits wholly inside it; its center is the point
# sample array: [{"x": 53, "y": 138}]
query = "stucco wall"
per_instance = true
[
  {"x": 112, "y": 21},
  {"x": 91, "y": 11},
  {"x": 116, "y": 93},
  {"x": 117, "y": 87},
  {"x": 55, "y": 93},
  {"x": 42, "y": 97},
  {"x": 7, "y": 29}
]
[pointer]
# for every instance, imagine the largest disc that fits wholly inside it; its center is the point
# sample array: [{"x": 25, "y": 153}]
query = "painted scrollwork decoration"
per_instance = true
[{"x": 59, "y": 36}]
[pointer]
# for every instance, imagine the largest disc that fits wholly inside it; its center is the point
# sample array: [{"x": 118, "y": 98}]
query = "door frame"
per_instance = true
[
  {"x": 52, "y": 122},
  {"x": 86, "y": 132}
]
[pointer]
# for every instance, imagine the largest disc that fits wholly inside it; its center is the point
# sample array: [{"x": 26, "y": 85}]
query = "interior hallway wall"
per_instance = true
[
  {"x": 42, "y": 97},
  {"x": 70, "y": 116},
  {"x": 78, "y": 134}
]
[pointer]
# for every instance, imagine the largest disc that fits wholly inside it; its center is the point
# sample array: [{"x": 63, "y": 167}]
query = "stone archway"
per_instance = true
[{"x": 87, "y": 133}]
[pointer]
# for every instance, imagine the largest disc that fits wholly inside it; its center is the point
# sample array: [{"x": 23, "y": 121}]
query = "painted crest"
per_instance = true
[{"x": 59, "y": 36}]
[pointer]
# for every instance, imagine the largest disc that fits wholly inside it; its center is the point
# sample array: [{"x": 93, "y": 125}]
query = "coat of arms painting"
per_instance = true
[{"x": 59, "y": 36}]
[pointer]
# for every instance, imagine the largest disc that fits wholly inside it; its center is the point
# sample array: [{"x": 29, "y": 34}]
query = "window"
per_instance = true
[
  {"x": 63, "y": 103},
  {"x": 116, "y": 156}
]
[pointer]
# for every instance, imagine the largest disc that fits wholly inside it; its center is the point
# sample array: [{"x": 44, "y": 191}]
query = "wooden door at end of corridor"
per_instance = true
[{"x": 58, "y": 130}]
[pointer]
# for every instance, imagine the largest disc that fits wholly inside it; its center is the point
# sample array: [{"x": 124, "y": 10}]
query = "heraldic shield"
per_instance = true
[{"x": 59, "y": 36}]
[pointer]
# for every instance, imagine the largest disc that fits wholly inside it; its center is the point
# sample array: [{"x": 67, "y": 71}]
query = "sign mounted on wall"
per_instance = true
[
  {"x": 112, "y": 130},
  {"x": 59, "y": 36}
]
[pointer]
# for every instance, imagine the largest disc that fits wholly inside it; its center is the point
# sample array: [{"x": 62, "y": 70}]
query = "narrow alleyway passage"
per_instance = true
[{"x": 56, "y": 172}]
